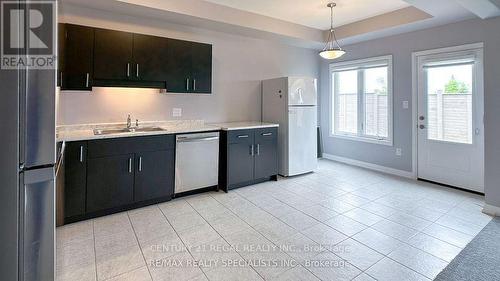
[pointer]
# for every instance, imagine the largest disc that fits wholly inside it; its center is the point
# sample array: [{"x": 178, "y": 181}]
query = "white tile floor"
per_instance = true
[{"x": 340, "y": 223}]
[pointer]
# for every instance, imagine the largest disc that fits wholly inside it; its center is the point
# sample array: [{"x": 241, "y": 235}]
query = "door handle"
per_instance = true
[
  {"x": 128, "y": 69},
  {"x": 187, "y": 84},
  {"x": 267, "y": 134},
  {"x": 81, "y": 153},
  {"x": 243, "y": 136},
  {"x": 137, "y": 70},
  {"x": 194, "y": 84},
  {"x": 87, "y": 78},
  {"x": 61, "y": 78},
  {"x": 258, "y": 149},
  {"x": 251, "y": 150},
  {"x": 130, "y": 165},
  {"x": 140, "y": 164}
]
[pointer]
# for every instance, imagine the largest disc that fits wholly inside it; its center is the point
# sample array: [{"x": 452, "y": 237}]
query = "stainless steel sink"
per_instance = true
[{"x": 98, "y": 132}]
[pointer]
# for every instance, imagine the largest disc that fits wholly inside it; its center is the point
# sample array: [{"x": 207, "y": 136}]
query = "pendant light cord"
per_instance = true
[{"x": 332, "y": 38}]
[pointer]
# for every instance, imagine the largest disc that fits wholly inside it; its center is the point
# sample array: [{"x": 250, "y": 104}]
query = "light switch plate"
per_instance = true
[
  {"x": 177, "y": 112},
  {"x": 399, "y": 151},
  {"x": 406, "y": 104}
]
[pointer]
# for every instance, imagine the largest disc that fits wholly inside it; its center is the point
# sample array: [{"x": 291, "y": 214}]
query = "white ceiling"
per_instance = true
[{"x": 314, "y": 13}]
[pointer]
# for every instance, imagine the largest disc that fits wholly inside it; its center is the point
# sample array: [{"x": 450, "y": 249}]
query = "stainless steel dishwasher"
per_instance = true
[{"x": 196, "y": 161}]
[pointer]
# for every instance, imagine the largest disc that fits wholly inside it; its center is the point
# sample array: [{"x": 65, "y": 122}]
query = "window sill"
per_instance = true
[{"x": 387, "y": 142}]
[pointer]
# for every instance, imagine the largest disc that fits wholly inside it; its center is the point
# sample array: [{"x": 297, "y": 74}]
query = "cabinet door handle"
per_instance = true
[
  {"x": 140, "y": 164},
  {"x": 243, "y": 136},
  {"x": 258, "y": 149},
  {"x": 187, "y": 84},
  {"x": 61, "y": 79},
  {"x": 87, "y": 78},
  {"x": 137, "y": 70},
  {"x": 81, "y": 154},
  {"x": 194, "y": 84},
  {"x": 267, "y": 134},
  {"x": 252, "y": 150},
  {"x": 130, "y": 165},
  {"x": 128, "y": 69}
]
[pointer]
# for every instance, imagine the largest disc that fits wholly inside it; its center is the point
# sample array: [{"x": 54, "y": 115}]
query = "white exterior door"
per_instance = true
[{"x": 450, "y": 118}]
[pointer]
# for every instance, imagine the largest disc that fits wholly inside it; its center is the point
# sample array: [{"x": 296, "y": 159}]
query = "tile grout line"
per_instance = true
[
  {"x": 236, "y": 215},
  {"x": 384, "y": 256},
  {"x": 223, "y": 236},
  {"x": 95, "y": 251},
  {"x": 182, "y": 241},
  {"x": 298, "y": 232},
  {"x": 139, "y": 245}
]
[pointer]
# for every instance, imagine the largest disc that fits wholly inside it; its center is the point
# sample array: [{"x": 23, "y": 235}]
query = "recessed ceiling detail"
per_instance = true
[{"x": 312, "y": 13}]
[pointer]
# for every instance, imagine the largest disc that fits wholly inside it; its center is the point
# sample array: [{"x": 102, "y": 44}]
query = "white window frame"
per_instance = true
[{"x": 357, "y": 65}]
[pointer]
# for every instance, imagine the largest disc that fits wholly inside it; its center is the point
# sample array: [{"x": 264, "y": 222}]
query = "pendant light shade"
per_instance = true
[{"x": 332, "y": 49}]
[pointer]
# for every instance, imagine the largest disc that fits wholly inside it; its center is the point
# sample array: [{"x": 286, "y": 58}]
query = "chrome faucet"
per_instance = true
[{"x": 129, "y": 122}]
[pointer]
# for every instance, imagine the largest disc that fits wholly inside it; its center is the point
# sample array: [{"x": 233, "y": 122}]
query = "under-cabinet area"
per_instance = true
[{"x": 107, "y": 170}]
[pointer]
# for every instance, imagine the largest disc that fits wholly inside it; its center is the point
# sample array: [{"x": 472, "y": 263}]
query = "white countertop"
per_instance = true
[
  {"x": 86, "y": 132},
  {"x": 244, "y": 125}
]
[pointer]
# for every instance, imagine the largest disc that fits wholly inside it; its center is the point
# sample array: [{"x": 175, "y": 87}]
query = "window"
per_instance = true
[{"x": 362, "y": 100}]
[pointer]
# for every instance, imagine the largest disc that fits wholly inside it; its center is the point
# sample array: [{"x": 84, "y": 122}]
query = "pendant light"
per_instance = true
[{"x": 332, "y": 48}]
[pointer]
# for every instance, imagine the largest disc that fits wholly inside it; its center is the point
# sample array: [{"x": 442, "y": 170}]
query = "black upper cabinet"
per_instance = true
[
  {"x": 61, "y": 47},
  {"x": 107, "y": 58},
  {"x": 190, "y": 67},
  {"x": 150, "y": 62},
  {"x": 76, "y": 57},
  {"x": 154, "y": 175},
  {"x": 201, "y": 64},
  {"x": 113, "y": 54},
  {"x": 179, "y": 66}
]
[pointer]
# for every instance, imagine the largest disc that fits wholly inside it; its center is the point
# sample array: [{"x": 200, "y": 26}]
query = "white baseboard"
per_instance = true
[
  {"x": 491, "y": 210},
  {"x": 370, "y": 166}
]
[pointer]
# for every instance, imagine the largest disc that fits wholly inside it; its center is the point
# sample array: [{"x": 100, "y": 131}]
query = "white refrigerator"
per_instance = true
[{"x": 292, "y": 103}]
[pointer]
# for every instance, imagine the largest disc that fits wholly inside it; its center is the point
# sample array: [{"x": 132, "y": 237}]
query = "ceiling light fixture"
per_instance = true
[{"x": 332, "y": 48}]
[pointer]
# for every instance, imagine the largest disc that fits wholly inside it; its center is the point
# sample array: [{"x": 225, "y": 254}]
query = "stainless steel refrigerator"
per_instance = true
[{"x": 27, "y": 207}]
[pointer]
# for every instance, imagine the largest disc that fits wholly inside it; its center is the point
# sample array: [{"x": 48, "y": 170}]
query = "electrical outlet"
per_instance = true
[
  {"x": 177, "y": 112},
  {"x": 399, "y": 151},
  {"x": 406, "y": 104}
]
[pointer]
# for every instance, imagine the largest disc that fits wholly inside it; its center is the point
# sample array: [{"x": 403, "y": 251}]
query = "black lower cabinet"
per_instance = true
[
  {"x": 106, "y": 176},
  {"x": 75, "y": 179},
  {"x": 266, "y": 153},
  {"x": 248, "y": 157},
  {"x": 241, "y": 162},
  {"x": 110, "y": 182},
  {"x": 154, "y": 176}
]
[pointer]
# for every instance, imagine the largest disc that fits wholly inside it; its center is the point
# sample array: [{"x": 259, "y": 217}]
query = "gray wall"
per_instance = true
[
  {"x": 239, "y": 66},
  {"x": 401, "y": 47}
]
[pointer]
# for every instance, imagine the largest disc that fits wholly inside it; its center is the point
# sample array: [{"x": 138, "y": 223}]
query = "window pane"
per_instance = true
[
  {"x": 376, "y": 102},
  {"x": 348, "y": 82},
  {"x": 449, "y": 103},
  {"x": 347, "y": 102}
]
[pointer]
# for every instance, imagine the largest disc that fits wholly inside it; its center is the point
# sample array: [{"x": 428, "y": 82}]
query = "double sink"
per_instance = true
[{"x": 99, "y": 132}]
